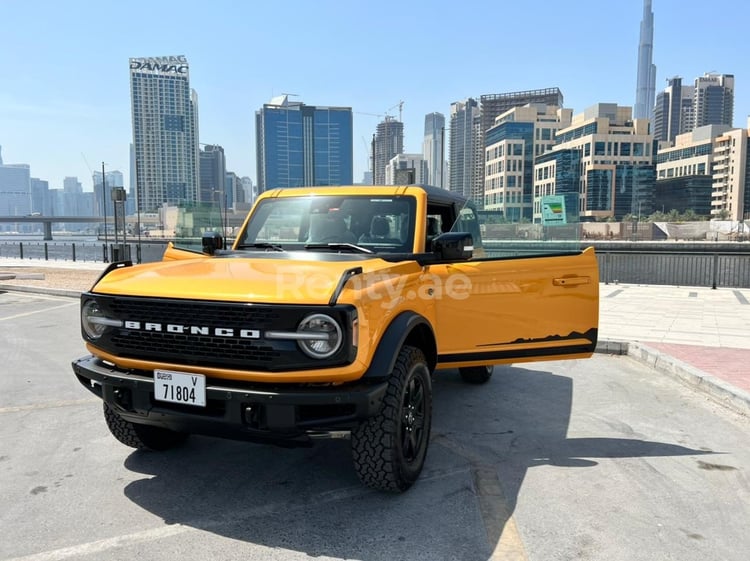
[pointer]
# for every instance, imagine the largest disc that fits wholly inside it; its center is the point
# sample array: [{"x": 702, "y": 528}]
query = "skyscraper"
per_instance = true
[
  {"x": 389, "y": 142},
  {"x": 646, "y": 82},
  {"x": 466, "y": 177},
  {"x": 673, "y": 113},
  {"x": 40, "y": 196},
  {"x": 713, "y": 99},
  {"x": 492, "y": 105},
  {"x": 434, "y": 149},
  {"x": 519, "y": 136},
  {"x": 730, "y": 198},
  {"x": 301, "y": 145},
  {"x": 112, "y": 179},
  {"x": 15, "y": 189},
  {"x": 213, "y": 169},
  {"x": 165, "y": 131}
]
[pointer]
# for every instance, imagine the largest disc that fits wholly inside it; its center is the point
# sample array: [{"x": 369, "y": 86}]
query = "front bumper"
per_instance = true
[{"x": 256, "y": 412}]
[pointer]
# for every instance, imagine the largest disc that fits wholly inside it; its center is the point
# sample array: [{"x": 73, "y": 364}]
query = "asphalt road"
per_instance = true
[{"x": 596, "y": 459}]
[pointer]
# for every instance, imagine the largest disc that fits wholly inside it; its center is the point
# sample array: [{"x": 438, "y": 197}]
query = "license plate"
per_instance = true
[{"x": 178, "y": 387}]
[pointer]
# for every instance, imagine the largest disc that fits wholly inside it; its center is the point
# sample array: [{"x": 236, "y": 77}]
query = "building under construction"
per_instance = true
[{"x": 389, "y": 142}]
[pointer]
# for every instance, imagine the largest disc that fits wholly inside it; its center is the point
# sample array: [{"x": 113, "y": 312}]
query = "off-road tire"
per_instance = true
[
  {"x": 389, "y": 449},
  {"x": 476, "y": 374},
  {"x": 143, "y": 437}
]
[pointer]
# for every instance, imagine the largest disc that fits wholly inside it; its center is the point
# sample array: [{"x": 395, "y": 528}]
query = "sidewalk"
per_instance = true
[{"x": 698, "y": 335}]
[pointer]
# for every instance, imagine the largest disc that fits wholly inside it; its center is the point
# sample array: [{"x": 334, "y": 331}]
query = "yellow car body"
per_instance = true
[{"x": 466, "y": 313}]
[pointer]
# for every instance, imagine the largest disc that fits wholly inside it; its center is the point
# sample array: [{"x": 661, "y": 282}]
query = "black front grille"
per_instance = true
[
  {"x": 214, "y": 334},
  {"x": 188, "y": 312}
]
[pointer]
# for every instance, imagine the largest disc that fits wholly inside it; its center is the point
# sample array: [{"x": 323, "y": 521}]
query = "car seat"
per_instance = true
[{"x": 380, "y": 229}]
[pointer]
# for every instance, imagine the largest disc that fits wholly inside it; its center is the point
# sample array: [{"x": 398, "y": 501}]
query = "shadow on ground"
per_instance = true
[{"x": 309, "y": 500}]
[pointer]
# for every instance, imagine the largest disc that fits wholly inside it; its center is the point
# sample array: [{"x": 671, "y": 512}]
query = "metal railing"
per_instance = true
[
  {"x": 730, "y": 270},
  {"x": 629, "y": 266},
  {"x": 81, "y": 251}
]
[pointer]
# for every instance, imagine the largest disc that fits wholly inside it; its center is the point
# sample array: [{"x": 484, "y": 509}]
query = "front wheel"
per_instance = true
[
  {"x": 143, "y": 437},
  {"x": 389, "y": 449},
  {"x": 476, "y": 374}
]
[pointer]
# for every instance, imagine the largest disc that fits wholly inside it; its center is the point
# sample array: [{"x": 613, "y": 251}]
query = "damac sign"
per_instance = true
[{"x": 165, "y": 64}]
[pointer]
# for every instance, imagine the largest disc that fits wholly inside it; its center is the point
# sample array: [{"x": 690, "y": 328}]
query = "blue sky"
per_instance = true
[{"x": 64, "y": 89}]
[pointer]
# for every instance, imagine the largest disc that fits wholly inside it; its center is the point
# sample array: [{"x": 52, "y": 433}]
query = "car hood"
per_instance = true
[{"x": 244, "y": 279}]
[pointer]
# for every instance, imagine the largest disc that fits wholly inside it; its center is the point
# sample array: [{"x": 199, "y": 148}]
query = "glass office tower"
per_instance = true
[{"x": 300, "y": 145}]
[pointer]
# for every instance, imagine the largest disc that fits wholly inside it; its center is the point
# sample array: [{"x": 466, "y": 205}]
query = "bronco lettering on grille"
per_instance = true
[{"x": 193, "y": 329}]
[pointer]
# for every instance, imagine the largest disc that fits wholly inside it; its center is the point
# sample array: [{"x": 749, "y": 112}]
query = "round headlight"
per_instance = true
[
  {"x": 325, "y": 336},
  {"x": 93, "y": 320}
]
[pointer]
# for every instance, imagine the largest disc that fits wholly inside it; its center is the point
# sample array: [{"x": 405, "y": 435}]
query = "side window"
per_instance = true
[
  {"x": 440, "y": 219},
  {"x": 468, "y": 221}
]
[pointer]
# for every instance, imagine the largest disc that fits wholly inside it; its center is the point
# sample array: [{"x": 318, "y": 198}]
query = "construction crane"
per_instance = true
[
  {"x": 400, "y": 106},
  {"x": 370, "y": 114}
]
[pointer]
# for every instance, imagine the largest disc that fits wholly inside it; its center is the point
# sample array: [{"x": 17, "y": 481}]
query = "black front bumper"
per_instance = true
[{"x": 279, "y": 413}]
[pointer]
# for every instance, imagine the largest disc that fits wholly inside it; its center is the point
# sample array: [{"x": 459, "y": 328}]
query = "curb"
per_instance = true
[
  {"x": 726, "y": 394},
  {"x": 41, "y": 290}
]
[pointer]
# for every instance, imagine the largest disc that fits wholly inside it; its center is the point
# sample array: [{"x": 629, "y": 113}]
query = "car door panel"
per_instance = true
[{"x": 517, "y": 309}]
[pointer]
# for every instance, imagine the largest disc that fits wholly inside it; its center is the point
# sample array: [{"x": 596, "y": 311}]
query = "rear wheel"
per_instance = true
[
  {"x": 143, "y": 437},
  {"x": 389, "y": 449},
  {"x": 476, "y": 374}
]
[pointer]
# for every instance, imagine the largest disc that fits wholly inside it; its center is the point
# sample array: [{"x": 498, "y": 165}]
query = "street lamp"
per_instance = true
[{"x": 104, "y": 207}]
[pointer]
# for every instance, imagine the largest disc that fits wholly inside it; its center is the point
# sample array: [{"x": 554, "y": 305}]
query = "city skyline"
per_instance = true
[{"x": 68, "y": 129}]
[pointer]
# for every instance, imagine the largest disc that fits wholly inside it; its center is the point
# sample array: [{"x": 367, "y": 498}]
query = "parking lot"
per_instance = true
[{"x": 593, "y": 459}]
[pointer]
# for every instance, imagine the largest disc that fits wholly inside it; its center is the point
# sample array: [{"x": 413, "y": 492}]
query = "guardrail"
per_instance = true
[
  {"x": 730, "y": 270},
  {"x": 82, "y": 251},
  {"x": 649, "y": 265}
]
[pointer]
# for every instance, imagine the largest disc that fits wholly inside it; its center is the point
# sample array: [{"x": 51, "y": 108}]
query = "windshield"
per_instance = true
[{"x": 379, "y": 224}]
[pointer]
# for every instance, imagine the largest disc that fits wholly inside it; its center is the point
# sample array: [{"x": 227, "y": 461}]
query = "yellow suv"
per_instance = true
[{"x": 330, "y": 312}]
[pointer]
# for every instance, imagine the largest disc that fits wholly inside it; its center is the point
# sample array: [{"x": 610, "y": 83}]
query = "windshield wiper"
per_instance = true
[
  {"x": 261, "y": 245},
  {"x": 350, "y": 246}
]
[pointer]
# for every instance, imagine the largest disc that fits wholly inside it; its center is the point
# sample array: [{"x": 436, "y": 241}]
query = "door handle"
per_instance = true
[{"x": 571, "y": 281}]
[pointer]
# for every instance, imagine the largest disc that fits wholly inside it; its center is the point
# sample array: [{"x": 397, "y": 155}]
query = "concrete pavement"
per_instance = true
[{"x": 698, "y": 335}]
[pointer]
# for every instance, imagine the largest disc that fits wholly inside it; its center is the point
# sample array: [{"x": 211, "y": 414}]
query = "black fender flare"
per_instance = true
[{"x": 406, "y": 328}]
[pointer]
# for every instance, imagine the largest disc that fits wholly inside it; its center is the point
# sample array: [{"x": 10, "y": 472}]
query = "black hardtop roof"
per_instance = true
[{"x": 441, "y": 195}]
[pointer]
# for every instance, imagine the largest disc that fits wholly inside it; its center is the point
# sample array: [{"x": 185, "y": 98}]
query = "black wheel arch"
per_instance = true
[{"x": 407, "y": 328}]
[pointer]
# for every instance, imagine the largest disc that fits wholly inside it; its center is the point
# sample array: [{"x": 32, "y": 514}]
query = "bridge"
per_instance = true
[
  {"x": 47, "y": 221},
  {"x": 234, "y": 219}
]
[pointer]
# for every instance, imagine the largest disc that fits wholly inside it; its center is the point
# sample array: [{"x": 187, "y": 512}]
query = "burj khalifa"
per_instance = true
[{"x": 646, "y": 85}]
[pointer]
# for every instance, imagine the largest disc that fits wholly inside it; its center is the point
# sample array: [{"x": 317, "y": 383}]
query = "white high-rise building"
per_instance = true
[
  {"x": 406, "y": 169},
  {"x": 466, "y": 173},
  {"x": 603, "y": 163},
  {"x": 250, "y": 190},
  {"x": 730, "y": 198},
  {"x": 165, "y": 131},
  {"x": 519, "y": 136}
]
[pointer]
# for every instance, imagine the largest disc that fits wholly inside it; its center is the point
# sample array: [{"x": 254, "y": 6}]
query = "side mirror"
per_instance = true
[
  {"x": 212, "y": 241},
  {"x": 453, "y": 246}
]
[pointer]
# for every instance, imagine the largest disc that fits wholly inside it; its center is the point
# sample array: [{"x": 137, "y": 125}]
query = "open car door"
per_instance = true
[{"x": 524, "y": 300}]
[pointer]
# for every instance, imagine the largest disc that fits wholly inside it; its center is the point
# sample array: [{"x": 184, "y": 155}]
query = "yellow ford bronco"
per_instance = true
[{"x": 330, "y": 312}]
